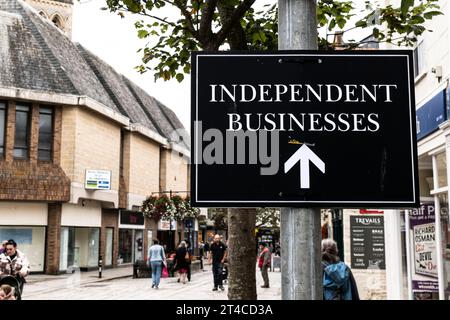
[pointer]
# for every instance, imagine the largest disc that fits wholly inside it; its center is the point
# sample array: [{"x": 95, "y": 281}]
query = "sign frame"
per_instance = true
[
  {"x": 304, "y": 54},
  {"x": 97, "y": 180}
]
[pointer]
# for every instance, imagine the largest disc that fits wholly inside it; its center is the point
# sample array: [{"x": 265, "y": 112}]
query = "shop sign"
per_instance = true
[
  {"x": 431, "y": 115},
  {"x": 98, "y": 180},
  {"x": 367, "y": 242},
  {"x": 134, "y": 218},
  {"x": 423, "y": 243},
  {"x": 164, "y": 225},
  {"x": 365, "y": 211},
  {"x": 304, "y": 129},
  {"x": 189, "y": 223}
]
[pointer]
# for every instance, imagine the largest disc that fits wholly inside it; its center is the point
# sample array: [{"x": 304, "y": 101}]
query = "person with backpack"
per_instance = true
[
  {"x": 157, "y": 259},
  {"x": 264, "y": 263},
  {"x": 338, "y": 281}
]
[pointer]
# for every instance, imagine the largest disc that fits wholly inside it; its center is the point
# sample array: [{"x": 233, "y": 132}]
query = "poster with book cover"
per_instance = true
[{"x": 423, "y": 245}]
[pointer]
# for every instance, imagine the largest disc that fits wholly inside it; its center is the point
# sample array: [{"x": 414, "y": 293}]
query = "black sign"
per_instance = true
[
  {"x": 367, "y": 242},
  {"x": 131, "y": 217},
  {"x": 304, "y": 129},
  {"x": 189, "y": 223}
]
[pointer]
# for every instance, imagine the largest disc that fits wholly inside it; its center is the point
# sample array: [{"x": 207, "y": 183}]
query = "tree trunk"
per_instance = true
[
  {"x": 242, "y": 254},
  {"x": 236, "y": 37}
]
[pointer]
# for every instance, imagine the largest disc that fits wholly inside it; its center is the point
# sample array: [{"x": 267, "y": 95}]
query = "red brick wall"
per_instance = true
[
  {"x": 53, "y": 243},
  {"x": 32, "y": 179},
  {"x": 22, "y": 180}
]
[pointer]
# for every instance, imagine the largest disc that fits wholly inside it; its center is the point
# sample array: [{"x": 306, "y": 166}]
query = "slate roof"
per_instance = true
[{"x": 35, "y": 55}]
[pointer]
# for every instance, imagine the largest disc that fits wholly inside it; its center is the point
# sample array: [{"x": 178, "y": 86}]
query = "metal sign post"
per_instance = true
[{"x": 301, "y": 274}]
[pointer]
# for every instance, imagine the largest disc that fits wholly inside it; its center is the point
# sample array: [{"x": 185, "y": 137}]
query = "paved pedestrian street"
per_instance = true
[{"x": 116, "y": 285}]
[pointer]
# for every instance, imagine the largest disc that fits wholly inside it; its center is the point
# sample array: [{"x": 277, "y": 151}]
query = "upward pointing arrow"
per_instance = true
[{"x": 304, "y": 155}]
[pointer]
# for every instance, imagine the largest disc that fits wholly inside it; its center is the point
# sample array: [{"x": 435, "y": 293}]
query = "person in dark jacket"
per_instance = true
[
  {"x": 190, "y": 250},
  {"x": 338, "y": 281},
  {"x": 181, "y": 264}
]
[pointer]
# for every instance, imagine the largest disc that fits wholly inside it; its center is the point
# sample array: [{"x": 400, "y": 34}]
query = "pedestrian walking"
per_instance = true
[
  {"x": 264, "y": 263},
  {"x": 218, "y": 255},
  {"x": 206, "y": 248},
  {"x": 181, "y": 264},
  {"x": 190, "y": 251},
  {"x": 157, "y": 259},
  {"x": 14, "y": 262},
  {"x": 338, "y": 280}
]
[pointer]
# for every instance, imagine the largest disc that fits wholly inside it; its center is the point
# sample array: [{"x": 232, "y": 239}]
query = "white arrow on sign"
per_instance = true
[{"x": 304, "y": 155}]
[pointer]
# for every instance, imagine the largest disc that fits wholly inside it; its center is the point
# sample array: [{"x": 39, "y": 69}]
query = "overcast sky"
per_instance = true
[{"x": 115, "y": 41}]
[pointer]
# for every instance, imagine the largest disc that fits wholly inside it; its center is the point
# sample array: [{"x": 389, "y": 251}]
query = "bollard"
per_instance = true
[{"x": 100, "y": 267}]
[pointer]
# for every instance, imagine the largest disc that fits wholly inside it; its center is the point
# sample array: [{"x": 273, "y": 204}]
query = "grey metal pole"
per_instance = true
[{"x": 301, "y": 272}]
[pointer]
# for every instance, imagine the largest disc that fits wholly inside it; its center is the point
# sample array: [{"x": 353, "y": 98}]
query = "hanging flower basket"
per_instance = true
[{"x": 173, "y": 208}]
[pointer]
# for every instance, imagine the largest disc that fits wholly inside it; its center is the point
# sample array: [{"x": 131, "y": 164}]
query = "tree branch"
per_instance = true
[
  {"x": 170, "y": 23},
  {"x": 187, "y": 15},
  {"x": 237, "y": 15},
  {"x": 205, "y": 31}
]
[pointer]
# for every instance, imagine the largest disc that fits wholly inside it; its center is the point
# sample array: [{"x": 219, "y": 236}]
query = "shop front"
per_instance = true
[
  {"x": 267, "y": 235},
  {"x": 26, "y": 223},
  {"x": 79, "y": 248},
  {"x": 80, "y": 236},
  {"x": 429, "y": 233},
  {"x": 131, "y": 236},
  {"x": 166, "y": 234}
]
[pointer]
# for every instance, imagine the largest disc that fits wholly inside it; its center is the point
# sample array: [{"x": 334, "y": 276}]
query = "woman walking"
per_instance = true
[
  {"x": 157, "y": 259},
  {"x": 338, "y": 281},
  {"x": 181, "y": 263}
]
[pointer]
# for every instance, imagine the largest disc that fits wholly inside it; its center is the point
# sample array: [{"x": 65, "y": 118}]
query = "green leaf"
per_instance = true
[
  {"x": 341, "y": 23},
  {"x": 417, "y": 20},
  {"x": 180, "y": 77},
  {"x": 262, "y": 36},
  {"x": 431, "y": 14},
  {"x": 361, "y": 24},
  {"x": 405, "y": 5},
  {"x": 142, "y": 34},
  {"x": 332, "y": 24}
]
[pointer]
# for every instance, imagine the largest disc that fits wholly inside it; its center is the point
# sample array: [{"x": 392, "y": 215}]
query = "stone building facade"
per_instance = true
[
  {"x": 65, "y": 113},
  {"x": 59, "y": 12}
]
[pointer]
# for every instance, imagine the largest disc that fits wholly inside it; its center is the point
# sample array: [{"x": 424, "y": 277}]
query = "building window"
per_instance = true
[
  {"x": 57, "y": 21},
  {"x": 21, "y": 138},
  {"x": 79, "y": 248},
  {"x": 45, "y": 133},
  {"x": 31, "y": 240},
  {"x": 2, "y": 128},
  {"x": 419, "y": 59}
]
